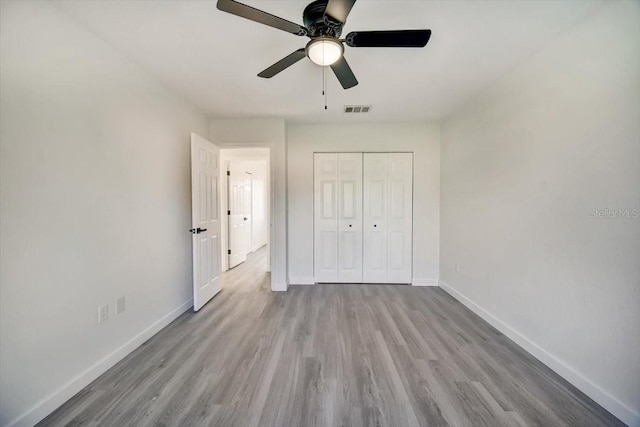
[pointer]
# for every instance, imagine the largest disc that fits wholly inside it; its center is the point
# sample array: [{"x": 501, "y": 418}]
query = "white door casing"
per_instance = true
[
  {"x": 205, "y": 191},
  {"x": 325, "y": 217},
  {"x": 350, "y": 217},
  {"x": 238, "y": 220}
]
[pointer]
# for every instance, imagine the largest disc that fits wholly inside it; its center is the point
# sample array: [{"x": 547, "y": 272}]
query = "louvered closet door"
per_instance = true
[
  {"x": 325, "y": 188},
  {"x": 388, "y": 193},
  {"x": 350, "y": 217}
]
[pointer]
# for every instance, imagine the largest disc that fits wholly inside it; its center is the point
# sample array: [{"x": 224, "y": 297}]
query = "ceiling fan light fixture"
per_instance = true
[{"x": 324, "y": 50}]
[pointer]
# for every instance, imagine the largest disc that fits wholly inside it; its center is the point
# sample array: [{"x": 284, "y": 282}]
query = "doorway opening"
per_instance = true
[{"x": 245, "y": 204}]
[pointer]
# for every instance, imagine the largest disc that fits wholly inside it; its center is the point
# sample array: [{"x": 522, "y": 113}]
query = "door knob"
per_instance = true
[
  {"x": 197, "y": 230},
  {"x": 245, "y": 218},
  {"x": 374, "y": 225},
  {"x": 349, "y": 225}
]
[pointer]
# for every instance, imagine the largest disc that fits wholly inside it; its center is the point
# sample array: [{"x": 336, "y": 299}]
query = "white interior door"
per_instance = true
[
  {"x": 388, "y": 217},
  {"x": 400, "y": 217},
  {"x": 248, "y": 208},
  {"x": 325, "y": 189},
  {"x": 205, "y": 190},
  {"x": 363, "y": 217},
  {"x": 350, "y": 217},
  {"x": 238, "y": 221},
  {"x": 375, "y": 218}
]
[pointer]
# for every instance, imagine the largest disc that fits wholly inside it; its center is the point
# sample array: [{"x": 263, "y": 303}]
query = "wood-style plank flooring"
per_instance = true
[{"x": 329, "y": 355}]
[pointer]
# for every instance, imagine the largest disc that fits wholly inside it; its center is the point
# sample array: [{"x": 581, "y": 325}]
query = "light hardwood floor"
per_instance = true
[{"x": 329, "y": 355}]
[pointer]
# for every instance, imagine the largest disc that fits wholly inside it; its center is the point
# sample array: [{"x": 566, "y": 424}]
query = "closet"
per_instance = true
[{"x": 363, "y": 217}]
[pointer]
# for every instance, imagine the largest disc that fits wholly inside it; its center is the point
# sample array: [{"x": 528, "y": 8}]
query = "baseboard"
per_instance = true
[
  {"x": 312, "y": 281},
  {"x": 424, "y": 282},
  {"x": 279, "y": 286},
  {"x": 50, "y": 403},
  {"x": 600, "y": 396},
  {"x": 302, "y": 281},
  {"x": 255, "y": 248}
]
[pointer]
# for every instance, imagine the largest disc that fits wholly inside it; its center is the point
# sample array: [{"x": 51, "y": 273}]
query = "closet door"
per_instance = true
[
  {"x": 325, "y": 239},
  {"x": 399, "y": 217},
  {"x": 388, "y": 194},
  {"x": 375, "y": 218},
  {"x": 350, "y": 217}
]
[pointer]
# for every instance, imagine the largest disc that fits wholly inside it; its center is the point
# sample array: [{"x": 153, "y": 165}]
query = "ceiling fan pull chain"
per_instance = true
[
  {"x": 324, "y": 81},
  {"x": 324, "y": 86},
  {"x": 325, "y": 91}
]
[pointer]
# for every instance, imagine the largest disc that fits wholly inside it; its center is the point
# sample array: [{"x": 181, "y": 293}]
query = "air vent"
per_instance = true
[{"x": 349, "y": 109}]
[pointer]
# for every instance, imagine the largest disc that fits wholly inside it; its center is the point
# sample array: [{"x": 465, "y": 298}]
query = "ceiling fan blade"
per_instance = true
[
  {"x": 285, "y": 62},
  {"x": 399, "y": 38},
  {"x": 339, "y": 9},
  {"x": 253, "y": 14},
  {"x": 343, "y": 73}
]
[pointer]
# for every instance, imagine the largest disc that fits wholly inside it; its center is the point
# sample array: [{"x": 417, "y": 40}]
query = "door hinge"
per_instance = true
[
  {"x": 228, "y": 173},
  {"x": 228, "y": 212},
  {"x": 229, "y": 252}
]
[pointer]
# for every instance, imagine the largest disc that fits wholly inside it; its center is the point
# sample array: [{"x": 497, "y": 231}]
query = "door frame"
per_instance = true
[{"x": 267, "y": 155}]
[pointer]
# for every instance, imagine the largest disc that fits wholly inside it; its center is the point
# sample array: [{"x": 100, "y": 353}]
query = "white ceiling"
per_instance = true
[{"x": 212, "y": 58}]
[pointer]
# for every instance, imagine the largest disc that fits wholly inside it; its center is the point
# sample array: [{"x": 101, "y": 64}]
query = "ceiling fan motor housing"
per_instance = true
[{"x": 318, "y": 23}]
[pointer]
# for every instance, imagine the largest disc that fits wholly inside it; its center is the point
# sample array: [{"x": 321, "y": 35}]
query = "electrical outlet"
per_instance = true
[
  {"x": 457, "y": 266},
  {"x": 119, "y": 305},
  {"x": 103, "y": 313}
]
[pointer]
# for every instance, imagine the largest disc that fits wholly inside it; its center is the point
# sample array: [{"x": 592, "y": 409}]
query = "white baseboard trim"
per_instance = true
[
  {"x": 50, "y": 403},
  {"x": 312, "y": 281},
  {"x": 424, "y": 282},
  {"x": 603, "y": 398},
  {"x": 279, "y": 286},
  {"x": 302, "y": 281},
  {"x": 258, "y": 246}
]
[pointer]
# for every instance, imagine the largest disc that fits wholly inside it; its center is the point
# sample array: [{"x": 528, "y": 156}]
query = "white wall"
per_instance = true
[
  {"x": 422, "y": 139},
  {"x": 95, "y": 190},
  {"x": 523, "y": 166},
  {"x": 266, "y": 133}
]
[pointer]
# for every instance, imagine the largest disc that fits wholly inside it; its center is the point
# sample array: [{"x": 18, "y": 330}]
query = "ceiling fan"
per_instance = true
[{"x": 323, "y": 22}]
